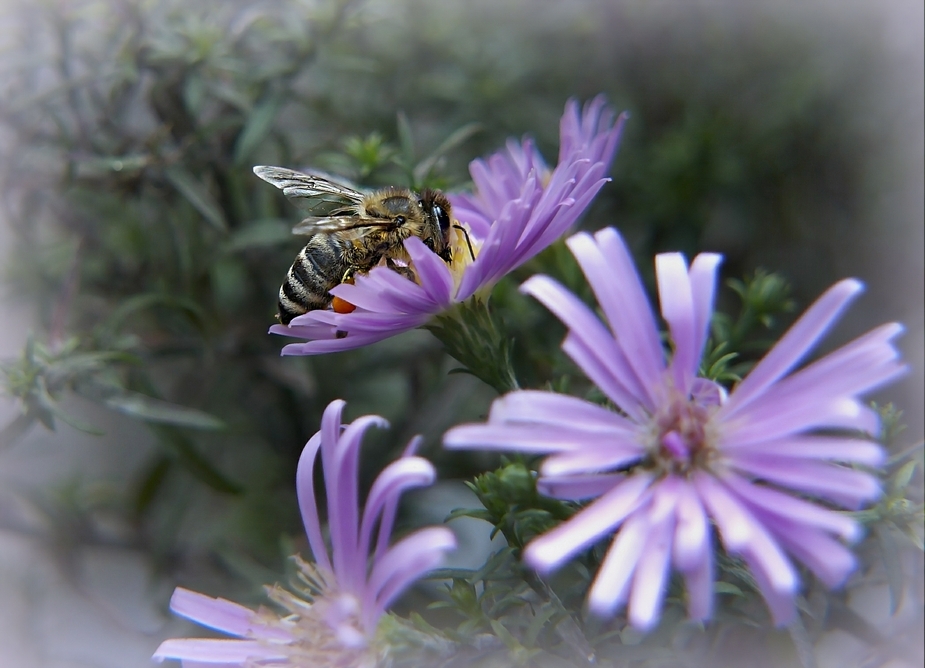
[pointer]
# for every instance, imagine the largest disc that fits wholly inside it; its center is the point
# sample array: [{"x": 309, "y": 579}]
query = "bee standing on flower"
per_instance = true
[{"x": 351, "y": 232}]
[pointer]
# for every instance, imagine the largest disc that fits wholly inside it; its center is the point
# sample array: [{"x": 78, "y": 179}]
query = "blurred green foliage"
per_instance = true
[{"x": 152, "y": 255}]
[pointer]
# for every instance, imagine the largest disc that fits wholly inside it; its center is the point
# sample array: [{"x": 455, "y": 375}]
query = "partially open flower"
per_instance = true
[
  {"x": 519, "y": 208},
  {"x": 330, "y": 617}
]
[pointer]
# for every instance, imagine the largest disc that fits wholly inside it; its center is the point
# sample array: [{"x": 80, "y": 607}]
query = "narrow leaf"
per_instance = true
[
  {"x": 133, "y": 305},
  {"x": 15, "y": 430},
  {"x": 256, "y": 129},
  {"x": 150, "y": 409},
  {"x": 259, "y": 234},
  {"x": 151, "y": 483},
  {"x": 197, "y": 195},
  {"x": 903, "y": 476},
  {"x": 889, "y": 551},
  {"x": 195, "y": 463},
  {"x": 423, "y": 169}
]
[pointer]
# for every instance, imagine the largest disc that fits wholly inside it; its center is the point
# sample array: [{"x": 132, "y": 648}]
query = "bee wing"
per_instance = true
[
  {"x": 313, "y": 193},
  {"x": 349, "y": 227}
]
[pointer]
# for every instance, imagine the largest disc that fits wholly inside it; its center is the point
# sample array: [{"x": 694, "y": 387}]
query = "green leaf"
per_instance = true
[
  {"x": 537, "y": 624},
  {"x": 194, "y": 93},
  {"x": 889, "y": 551},
  {"x": 197, "y": 465},
  {"x": 150, "y": 409},
  {"x": 472, "y": 336},
  {"x": 227, "y": 93},
  {"x": 259, "y": 234},
  {"x": 476, "y": 513},
  {"x": 246, "y": 568},
  {"x": 79, "y": 425},
  {"x": 901, "y": 480},
  {"x": 802, "y": 642},
  {"x": 423, "y": 169},
  {"x": 151, "y": 482},
  {"x": 842, "y": 617},
  {"x": 197, "y": 195},
  {"x": 48, "y": 409},
  {"x": 132, "y": 305},
  {"x": 405, "y": 136},
  {"x": 71, "y": 368},
  {"x": 506, "y": 637},
  {"x": 15, "y": 430},
  {"x": 256, "y": 129},
  {"x": 721, "y": 587}
]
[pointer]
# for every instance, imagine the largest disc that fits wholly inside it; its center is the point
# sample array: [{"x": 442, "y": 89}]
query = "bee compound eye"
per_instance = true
[{"x": 441, "y": 217}]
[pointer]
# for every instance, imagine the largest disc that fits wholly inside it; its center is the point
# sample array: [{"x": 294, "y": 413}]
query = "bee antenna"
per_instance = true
[{"x": 468, "y": 243}]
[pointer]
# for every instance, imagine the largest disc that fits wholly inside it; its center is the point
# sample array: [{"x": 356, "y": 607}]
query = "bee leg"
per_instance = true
[{"x": 399, "y": 269}]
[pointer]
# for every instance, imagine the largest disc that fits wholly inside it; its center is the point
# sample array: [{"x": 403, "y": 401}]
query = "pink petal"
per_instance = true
[
  {"x": 844, "y": 486},
  {"x": 692, "y": 531},
  {"x": 651, "y": 574},
  {"x": 520, "y": 438},
  {"x": 610, "y": 271},
  {"x": 222, "y": 615},
  {"x": 399, "y": 476},
  {"x": 815, "y": 447},
  {"x": 216, "y": 651},
  {"x": 780, "y": 601},
  {"x": 578, "y": 487},
  {"x": 757, "y": 424},
  {"x": 305, "y": 490},
  {"x": 611, "y": 383},
  {"x": 763, "y": 553},
  {"x": 733, "y": 522},
  {"x": 831, "y": 561},
  {"x": 558, "y": 410},
  {"x": 341, "y": 471},
  {"x": 699, "y": 582},
  {"x": 611, "y": 585},
  {"x": 791, "y": 510},
  {"x": 604, "y": 514},
  {"x": 677, "y": 304},
  {"x": 592, "y": 458},
  {"x": 703, "y": 288},
  {"x": 433, "y": 272},
  {"x": 402, "y": 564},
  {"x": 592, "y": 347},
  {"x": 793, "y": 346},
  {"x": 352, "y": 342}
]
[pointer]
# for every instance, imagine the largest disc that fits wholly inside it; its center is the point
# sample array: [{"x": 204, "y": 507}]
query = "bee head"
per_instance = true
[{"x": 437, "y": 208}]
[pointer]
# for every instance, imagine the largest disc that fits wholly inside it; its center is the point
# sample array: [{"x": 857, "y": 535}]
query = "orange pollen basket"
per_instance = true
[{"x": 342, "y": 305}]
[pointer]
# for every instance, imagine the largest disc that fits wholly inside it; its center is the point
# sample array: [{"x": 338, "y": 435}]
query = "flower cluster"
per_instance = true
[
  {"x": 519, "y": 208},
  {"x": 668, "y": 468},
  {"x": 678, "y": 453},
  {"x": 332, "y": 620}
]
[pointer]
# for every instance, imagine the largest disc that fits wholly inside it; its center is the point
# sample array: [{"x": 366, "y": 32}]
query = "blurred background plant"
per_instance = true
[{"x": 147, "y": 256}]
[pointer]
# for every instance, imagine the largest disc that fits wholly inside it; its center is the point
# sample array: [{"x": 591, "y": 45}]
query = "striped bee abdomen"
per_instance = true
[{"x": 318, "y": 267}]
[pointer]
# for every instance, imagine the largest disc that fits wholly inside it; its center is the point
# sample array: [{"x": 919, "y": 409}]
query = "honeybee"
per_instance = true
[{"x": 351, "y": 232}]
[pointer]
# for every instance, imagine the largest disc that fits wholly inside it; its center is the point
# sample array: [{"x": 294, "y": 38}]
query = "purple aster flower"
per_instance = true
[
  {"x": 678, "y": 453},
  {"x": 519, "y": 208},
  {"x": 332, "y": 620}
]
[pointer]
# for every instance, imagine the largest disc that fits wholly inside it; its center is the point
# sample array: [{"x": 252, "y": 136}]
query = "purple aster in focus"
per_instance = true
[
  {"x": 679, "y": 454},
  {"x": 331, "y": 620},
  {"x": 519, "y": 208}
]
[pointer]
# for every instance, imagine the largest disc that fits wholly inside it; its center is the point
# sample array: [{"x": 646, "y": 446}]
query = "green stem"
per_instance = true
[{"x": 471, "y": 336}]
